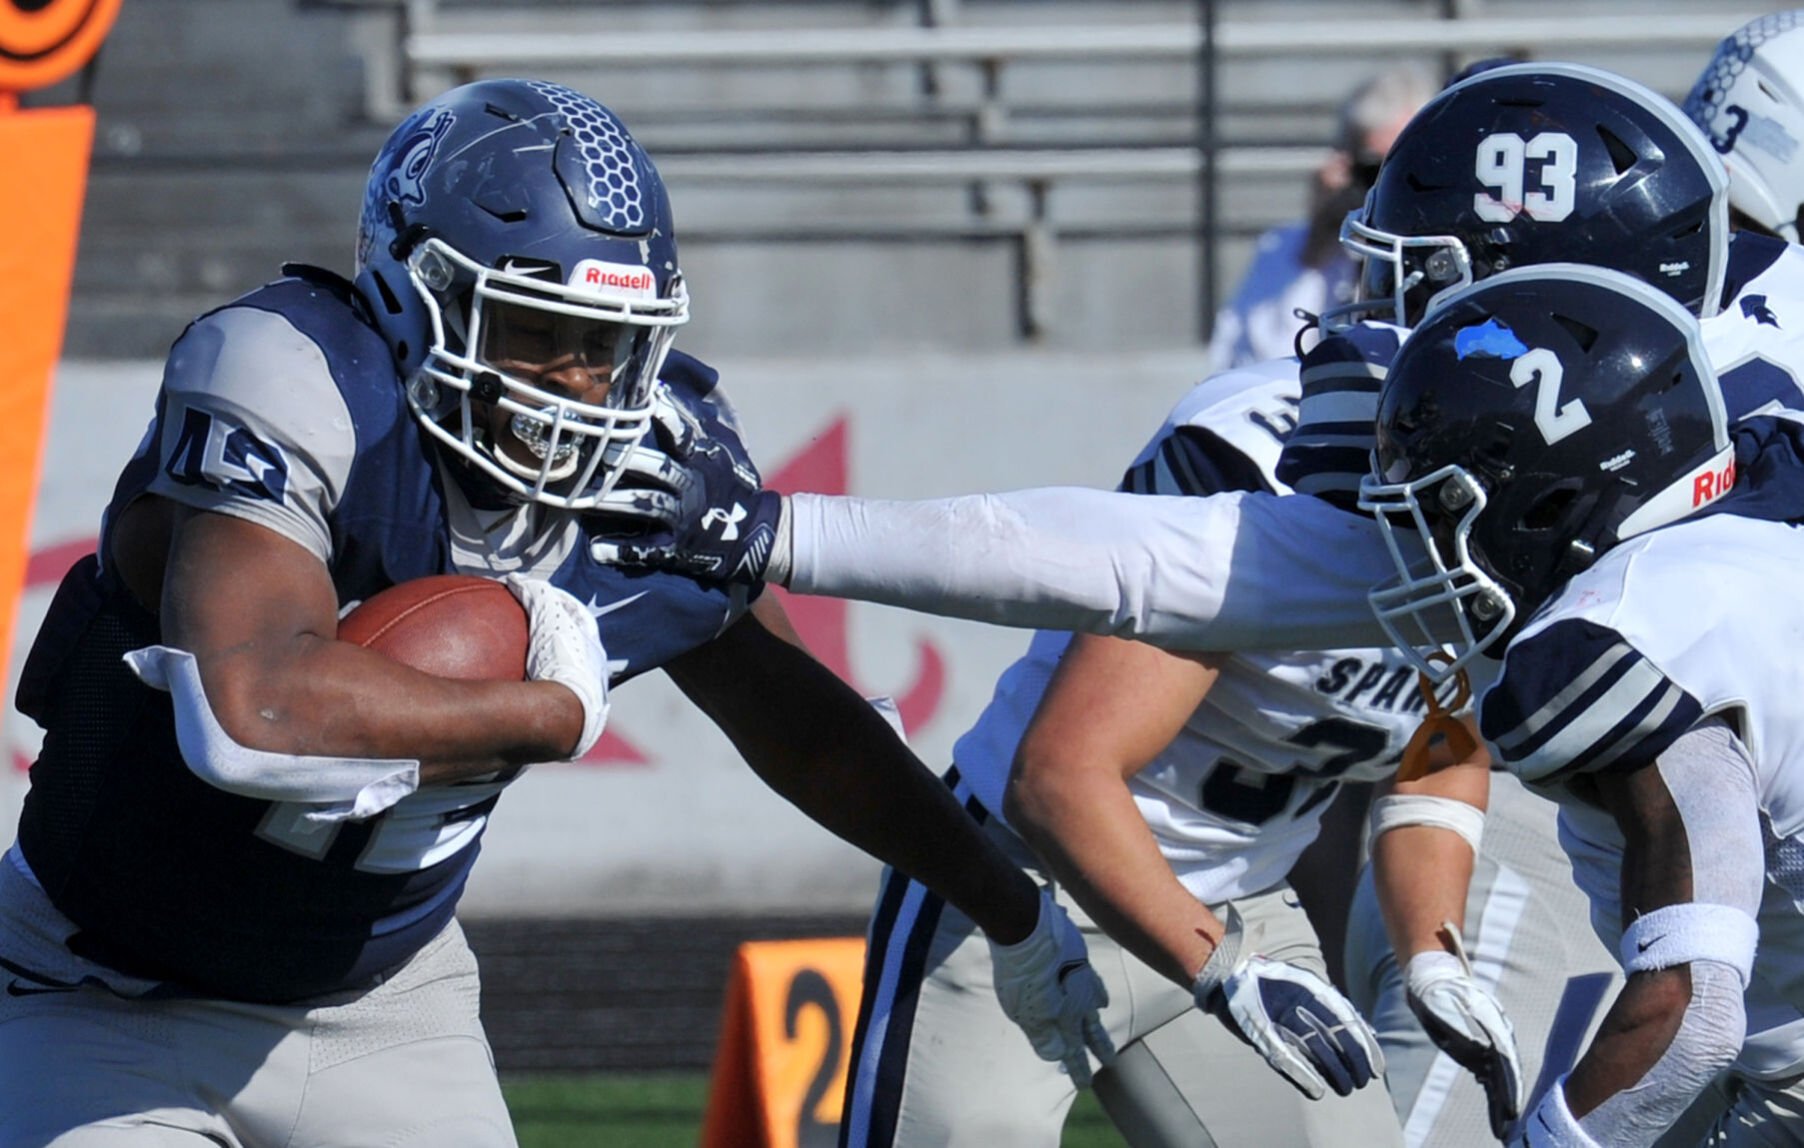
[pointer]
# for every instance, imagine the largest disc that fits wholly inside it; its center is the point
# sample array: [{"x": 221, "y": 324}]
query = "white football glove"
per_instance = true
[
  {"x": 1292, "y": 1017},
  {"x": 564, "y": 646},
  {"x": 1046, "y": 985},
  {"x": 1467, "y": 1024}
]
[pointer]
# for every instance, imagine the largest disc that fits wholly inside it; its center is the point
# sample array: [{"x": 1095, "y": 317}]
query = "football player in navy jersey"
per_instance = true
[
  {"x": 228, "y": 916},
  {"x": 1555, "y": 442}
]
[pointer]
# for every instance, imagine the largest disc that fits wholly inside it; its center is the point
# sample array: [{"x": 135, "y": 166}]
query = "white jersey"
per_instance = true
[
  {"x": 1698, "y": 619},
  {"x": 1239, "y": 792},
  {"x": 1239, "y": 571}
]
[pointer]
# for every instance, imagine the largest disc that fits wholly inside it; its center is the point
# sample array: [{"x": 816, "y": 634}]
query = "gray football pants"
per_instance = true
[
  {"x": 402, "y": 1065},
  {"x": 935, "y": 1061}
]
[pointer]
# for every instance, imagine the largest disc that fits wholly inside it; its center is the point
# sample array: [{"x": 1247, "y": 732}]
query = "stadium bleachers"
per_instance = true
[{"x": 1047, "y": 147}]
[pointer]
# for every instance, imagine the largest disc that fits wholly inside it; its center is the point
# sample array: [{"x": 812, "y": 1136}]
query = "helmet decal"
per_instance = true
[
  {"x": 1491, "y": 339},
  {"x": 615, "y": 192}
]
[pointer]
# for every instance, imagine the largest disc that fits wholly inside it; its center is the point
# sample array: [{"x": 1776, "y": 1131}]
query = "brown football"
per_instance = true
[{"x": 451, "y": 625}]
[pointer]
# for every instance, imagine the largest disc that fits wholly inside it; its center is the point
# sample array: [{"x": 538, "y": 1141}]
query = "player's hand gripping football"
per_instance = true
[
  {"x": 1292, "y": 1017},
  {"x": 698, "y": 499},
  {"x": 1467, "y": 1024},
  {"x": 1046, "y": 985},
  {"x": 564, "y": 646}
]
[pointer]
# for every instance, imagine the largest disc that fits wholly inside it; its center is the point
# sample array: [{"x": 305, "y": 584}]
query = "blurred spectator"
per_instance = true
[{"x": 1300, "y": 265}]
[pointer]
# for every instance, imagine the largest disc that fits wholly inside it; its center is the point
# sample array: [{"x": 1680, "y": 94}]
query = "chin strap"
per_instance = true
[{"x": 1438, "y": 725}]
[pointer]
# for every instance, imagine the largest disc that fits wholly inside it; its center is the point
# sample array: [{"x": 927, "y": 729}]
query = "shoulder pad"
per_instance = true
[{"x": 1576, "y": 697}]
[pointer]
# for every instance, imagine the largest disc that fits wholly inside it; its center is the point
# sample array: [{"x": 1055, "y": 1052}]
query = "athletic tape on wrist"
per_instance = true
[
  {"x": 1692, "y": 931},
  {"x": 1222, "y": 962},
  {"x": 1399, "y": 810},
  {"x": 776, "y": 570}
]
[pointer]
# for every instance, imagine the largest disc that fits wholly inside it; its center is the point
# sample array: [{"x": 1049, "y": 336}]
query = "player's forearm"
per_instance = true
[
  {"x": 1184, "y": 573},
  {"x": 1426, "y": 834},
  {"x": 1422, "y": 875},
  {"x": 1087, "y": 830},
  {"x": 1668, "y": 1034},
  {"x": 812, "y": 739},
  {"x": 334, "y": 699}
]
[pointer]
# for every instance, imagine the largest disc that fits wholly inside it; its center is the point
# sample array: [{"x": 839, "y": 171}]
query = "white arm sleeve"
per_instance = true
[
  {"x": 338, "y": 789},
  {"x": 1236, "y": 571}
]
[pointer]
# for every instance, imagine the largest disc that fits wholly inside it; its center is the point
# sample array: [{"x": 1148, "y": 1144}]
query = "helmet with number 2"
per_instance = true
[
  {"x": 1538, "y": 163},
  {"x": 1531, "y": 423},
  {"x": 516, "y": 248},
  {"x": 1750, "y": 102}
]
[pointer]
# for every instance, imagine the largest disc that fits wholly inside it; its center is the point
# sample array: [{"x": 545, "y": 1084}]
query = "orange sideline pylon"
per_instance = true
[
  {"x": 43, "y": 178},
  {"x": 785, "y": 1042}
]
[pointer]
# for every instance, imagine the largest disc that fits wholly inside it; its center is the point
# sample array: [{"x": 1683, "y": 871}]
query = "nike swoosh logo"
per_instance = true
[
  {"x": 17, "y": 988},
  {"x": 598, "y": 608},
  {"x": 1644, "y": 946},
  {"x": 513, "y": 268}
]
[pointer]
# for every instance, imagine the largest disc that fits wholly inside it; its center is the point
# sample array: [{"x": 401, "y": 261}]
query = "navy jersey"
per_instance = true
[{"x": 283, "y": 409}]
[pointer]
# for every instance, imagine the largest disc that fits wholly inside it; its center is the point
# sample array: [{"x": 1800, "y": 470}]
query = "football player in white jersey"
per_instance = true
[
  {"x": 1221, "y": 791},
  {"x": 1554, "y": 441},
  {"x": 1256, "y": 571}
]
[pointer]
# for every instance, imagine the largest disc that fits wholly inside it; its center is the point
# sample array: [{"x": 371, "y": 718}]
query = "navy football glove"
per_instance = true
[
  {"x": 1296, "y": 1020},
  {"x": 700, "y": 501}
]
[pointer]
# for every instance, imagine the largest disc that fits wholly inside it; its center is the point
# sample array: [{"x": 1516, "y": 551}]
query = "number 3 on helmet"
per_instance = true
[{"x": 517, "y": 251}]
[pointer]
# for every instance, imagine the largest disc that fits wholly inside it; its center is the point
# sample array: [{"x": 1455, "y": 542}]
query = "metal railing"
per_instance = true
[{"x": 434, "y": 53}]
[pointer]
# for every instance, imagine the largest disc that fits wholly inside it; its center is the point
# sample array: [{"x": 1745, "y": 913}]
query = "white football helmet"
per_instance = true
[{"x": 1750, "y": 103}]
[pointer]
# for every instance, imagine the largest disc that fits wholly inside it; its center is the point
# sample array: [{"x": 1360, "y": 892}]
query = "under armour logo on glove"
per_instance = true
[
  {"x": 729, "y": 520},
  {"x": 695, "y": 508}
]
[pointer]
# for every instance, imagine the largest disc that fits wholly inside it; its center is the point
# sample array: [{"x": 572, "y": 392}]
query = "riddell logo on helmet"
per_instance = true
[
  {"x": 614, "y": 279},
  {"x": 1709, "y": 485}
]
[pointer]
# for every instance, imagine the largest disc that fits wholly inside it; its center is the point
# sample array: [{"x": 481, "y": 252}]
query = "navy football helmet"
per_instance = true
[
  {"x": 516, "y": 249},
  {"x": 1531, "y": 423},
  {"x": 1538, "y": 163},
  {"x": 1750, "y": 102}
]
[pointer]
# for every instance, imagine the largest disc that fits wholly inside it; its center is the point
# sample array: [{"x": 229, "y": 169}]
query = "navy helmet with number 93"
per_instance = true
[
  {"x": 1539, "y": 163},
  {"x": 1532, "y": 422},
  {"x": 514, "y": 233}
]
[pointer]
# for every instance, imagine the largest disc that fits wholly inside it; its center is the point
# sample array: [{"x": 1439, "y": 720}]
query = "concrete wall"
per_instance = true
[{"x": 664, "y": 817}]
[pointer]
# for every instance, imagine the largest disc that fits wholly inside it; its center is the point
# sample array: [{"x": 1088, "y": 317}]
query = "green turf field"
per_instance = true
[{"x": 665, "y": 1111}]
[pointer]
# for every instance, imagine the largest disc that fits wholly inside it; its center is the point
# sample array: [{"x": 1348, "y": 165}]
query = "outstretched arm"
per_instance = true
[{"x": 1235, "y": 571}]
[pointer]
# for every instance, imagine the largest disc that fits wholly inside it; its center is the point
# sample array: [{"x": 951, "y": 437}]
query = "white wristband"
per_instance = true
[
  {"x": 1690, "y": 931},
  {"x": 1399, "y": 810},
  {"x": 1552, "y": 1124}
]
